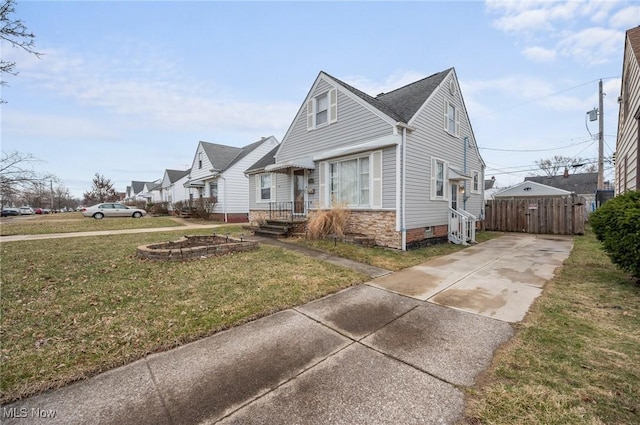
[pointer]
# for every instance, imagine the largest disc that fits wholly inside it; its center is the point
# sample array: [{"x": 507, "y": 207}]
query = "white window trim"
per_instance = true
[
  {"x": 272, "y": 193},
  {"x": 445, "y": 183},
  {"x": 332, "y": 109},
  {"x": 474, "y": 174},
  {"x": 456, "y": 112},
  {"x": 375, "y": 180}
]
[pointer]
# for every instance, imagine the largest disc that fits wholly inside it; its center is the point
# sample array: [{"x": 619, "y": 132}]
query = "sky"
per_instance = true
[{"x": 127, "y": 89}]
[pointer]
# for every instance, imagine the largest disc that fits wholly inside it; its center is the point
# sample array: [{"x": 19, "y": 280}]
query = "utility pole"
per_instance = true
[{"x": 600, "y": 139}]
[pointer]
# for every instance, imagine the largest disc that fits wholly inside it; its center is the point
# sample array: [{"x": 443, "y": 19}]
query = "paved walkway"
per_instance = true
[{"x": 397, "y": 350}]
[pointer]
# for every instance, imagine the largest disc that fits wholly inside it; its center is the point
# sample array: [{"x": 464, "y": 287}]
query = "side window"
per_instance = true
[
  {"x": 438, "y": 180},
  {"x": 451, "y": 118}
]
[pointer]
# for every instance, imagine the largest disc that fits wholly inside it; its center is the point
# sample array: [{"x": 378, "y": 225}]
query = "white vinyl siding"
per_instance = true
[{"x": 322, "y": 110}]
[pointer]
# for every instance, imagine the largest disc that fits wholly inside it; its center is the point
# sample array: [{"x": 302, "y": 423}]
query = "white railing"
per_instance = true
[{"x": 462, "y": 227}]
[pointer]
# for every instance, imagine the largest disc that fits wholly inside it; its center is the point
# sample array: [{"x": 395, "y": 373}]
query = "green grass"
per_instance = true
[
  {"x": 574, "y": 360},
  {"x": 75, "y": 222},
  {"x": 72, "y": 308},
  {"x": 390, "y": 259}
]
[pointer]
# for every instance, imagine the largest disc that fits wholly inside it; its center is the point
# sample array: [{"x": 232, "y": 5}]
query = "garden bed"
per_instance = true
[{"x": 192, "y": 247}]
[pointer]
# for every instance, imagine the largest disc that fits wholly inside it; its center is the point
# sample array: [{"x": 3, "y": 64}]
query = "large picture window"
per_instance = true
[{"x": 349, "y": 182}]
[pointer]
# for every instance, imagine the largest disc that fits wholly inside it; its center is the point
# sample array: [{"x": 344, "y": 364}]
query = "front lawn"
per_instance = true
[
  {"x": 75, "y": 222},
  {"x": 72, "y": 308}
]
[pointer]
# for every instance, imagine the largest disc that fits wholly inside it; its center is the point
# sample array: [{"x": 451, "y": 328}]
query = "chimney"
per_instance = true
[{"x": 566, "y": 172}]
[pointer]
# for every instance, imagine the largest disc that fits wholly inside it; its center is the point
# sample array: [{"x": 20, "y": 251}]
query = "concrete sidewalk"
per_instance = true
[{"x": 398, "y": 349}]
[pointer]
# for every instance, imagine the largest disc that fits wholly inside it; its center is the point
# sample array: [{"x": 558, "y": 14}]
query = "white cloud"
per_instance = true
[
  {"x": 592, "y": 46},
  {"x": 539, "y": 54},
  {"x": 151, "y": 92},
  {"x": 626, "y": 18}
]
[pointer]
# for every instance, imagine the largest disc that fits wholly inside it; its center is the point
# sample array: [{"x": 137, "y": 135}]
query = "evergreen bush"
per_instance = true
[{"x": 617, "y": 225}]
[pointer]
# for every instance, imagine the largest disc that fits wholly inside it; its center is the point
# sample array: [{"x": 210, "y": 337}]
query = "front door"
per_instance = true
[
  {"x": 299, "y": 192},
  {"x": 454, "y": 196}
]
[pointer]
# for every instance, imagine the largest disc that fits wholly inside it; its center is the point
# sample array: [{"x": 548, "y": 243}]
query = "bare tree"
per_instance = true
[
  {"x": 101, "y": 191},
  {"x": 15, "y": 32},
  {"x": 17, "y": 175},
  {"x": 553, "y": 166}
]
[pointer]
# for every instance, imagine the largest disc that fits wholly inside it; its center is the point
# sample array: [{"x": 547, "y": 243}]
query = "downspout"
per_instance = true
[
  {"x": 465, "y": 141},
  {"x": 224, "y": 192},
  {"x": 403, "y": 191},
  {"x": 403, "y": 181}
]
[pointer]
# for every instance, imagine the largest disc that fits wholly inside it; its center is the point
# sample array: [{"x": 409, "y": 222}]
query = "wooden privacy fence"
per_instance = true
[{"x": 556, "y": 216}]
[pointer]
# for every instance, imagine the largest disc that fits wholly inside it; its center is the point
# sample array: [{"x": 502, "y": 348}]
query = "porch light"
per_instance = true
[{"x": 462, "y": 190}]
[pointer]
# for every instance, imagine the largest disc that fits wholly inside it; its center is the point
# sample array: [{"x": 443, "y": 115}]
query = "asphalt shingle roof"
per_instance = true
[
  {"x": 268, "y": 159},
  {"x": 175, "y": 175},
  {"x": 401, "y": 104},
  {"x": 581, "y": 184}
]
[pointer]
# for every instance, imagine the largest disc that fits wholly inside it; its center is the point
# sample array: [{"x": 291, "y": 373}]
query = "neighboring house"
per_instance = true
[
  {"x": 137, "y": 191},
  {"x": 627, "y": 159},
  {"x": 173, "y": 189},
  {"x": 217, "y": 175},
  {"x": 153, "y": 192},
  {"x": 530, "y": 189},
  {"x": 405, "y": 163},
  {"x": 582, "y": 184}
]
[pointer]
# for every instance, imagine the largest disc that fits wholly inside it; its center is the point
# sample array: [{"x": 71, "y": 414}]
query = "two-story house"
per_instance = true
[{"x": 405, "y": 163}]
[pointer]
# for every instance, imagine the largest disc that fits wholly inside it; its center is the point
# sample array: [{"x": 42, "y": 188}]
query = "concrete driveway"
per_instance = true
[{"x": 397, "y": 350}]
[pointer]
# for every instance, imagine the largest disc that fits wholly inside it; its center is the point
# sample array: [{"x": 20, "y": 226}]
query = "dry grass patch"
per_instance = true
[
  {"x": 574, "y": 360},
  {"x": 73, "y": 308}
]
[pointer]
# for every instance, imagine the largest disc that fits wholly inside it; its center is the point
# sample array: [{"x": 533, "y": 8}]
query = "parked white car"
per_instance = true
[
  {"x": 26, "y": 211},
  {"x": 112, "y": 209}
]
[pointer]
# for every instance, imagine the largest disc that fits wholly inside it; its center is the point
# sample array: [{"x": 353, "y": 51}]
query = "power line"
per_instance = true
[{"x": 535, "y": 150}]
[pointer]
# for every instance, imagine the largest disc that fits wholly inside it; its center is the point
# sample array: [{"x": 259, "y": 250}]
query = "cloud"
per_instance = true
[
  {"x": 151, "y": 92},
  {"x": 626, "y": 18},
  {"x": 539, "y": 54},
  {"x": 574, "y": 29},
  {"x": 592, "y": 46}
]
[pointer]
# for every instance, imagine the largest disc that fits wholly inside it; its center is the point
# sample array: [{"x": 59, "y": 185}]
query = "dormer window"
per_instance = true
[
  {"x": 322, "y": 110},
  {"x": 322, "y": 103}
]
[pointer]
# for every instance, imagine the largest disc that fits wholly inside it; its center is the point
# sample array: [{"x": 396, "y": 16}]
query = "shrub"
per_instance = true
[
  {"x": 329, "y": 222},
  {"x": 617, "y": 225}
]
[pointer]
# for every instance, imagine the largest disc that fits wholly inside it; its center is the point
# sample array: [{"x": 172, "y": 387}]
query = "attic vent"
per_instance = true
[
  {"x": 452, "y": 87},
  {"x": 528, "y": 188},
  {"x": 380, "y": 94}
]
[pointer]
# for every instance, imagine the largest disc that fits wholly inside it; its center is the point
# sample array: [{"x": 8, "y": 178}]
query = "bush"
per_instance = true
[{"x": 617, "y": 225}]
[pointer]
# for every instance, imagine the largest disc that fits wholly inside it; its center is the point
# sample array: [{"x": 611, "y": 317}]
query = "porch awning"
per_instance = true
[
  {"x": 194, "y": 183},
  {"x": 457, "y": 175},
  {"x": 281, "y": 167}
]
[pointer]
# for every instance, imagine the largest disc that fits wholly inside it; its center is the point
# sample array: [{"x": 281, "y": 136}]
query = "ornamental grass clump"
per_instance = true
[{"x": 329, "y": 222}]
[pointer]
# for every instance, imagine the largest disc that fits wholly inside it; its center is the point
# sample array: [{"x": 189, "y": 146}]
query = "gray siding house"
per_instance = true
[{"x": 405, "y": 163}]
